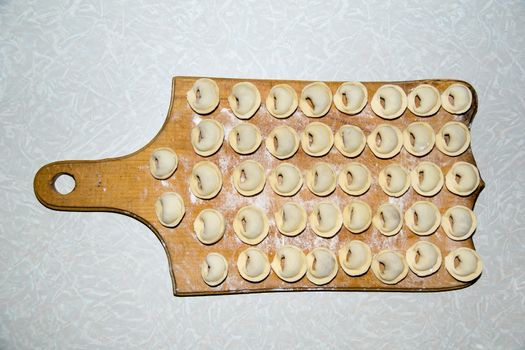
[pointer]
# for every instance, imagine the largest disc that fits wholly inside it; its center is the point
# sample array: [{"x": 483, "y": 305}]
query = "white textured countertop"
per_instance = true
[{"x": 91, "y": 79}]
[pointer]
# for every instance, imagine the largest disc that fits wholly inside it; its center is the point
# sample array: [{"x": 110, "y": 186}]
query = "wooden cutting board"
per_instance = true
[{"x": 124, "y": 185}]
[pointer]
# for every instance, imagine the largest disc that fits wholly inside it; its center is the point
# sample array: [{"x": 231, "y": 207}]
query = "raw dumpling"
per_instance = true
[
  {"x": 206, "y": 180},
  {"x": 389, "y": 267},
  {"x": 203, "y": 97},
  {"x": 169, "y": 208},
  {"x": 350, "y": 140},
  {"x": 251, "y": 225},
  {"x": 389, "y": 101},
  {"x": 423, "y": 218},
  {"x": 282, "y": 101},
  {"x": 291, "y": 219},
  {"x": 419, "y": 138},
  {"x": 316, "y": 99},
  {"x": 249, "y": 178},
  {"x": 326, "y": 219},
  {"x": 459, "y": 223},
  {"x": 355, "y": 179},
  {"x": 462, "y": 179},
  {"x": 423, "y": 258},
  {"x": 385, "y": 141},
  {"x": 456, "y": 99},
  {"x": 357, "y": 216},
  {"x": 207, "y": 137},
  {"x": 253, "y": 265},
  {"x": 388, "y": 219},
  {"x": 427, "y": 179},
  {"x": 214, "y": 269},
  {"x": 289, "y": 263},
  {"x": 322, "y": 266},
  {"x": 244, "y": 100},
  {"x": 351, "y": 97},
  {"x": 282, "y": 142},
  {"x": 209, "y": 226},
  {"x": 245, "y": 138},
  {"x": 453, "y": 139},
  {"x": 394, "y": 180},
  {"x": 321, "y": 179},
  {"x": 163, "y": 163},
  {"x": 464, "y": 264},
  {"x": 317, "y": 139},
  {"x": 286, "y": 179},
  {"x": 355, "y": 257},
  {"x": 424, "y": 100}
]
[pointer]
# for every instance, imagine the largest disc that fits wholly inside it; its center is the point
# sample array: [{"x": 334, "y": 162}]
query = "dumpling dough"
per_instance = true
[
  {"x": 317, "y": 139},
  {"x": 453, "y": 139},
  {"x": 282, "y": 142},
  {"x": 169, "y": 208},
  {"x": 389, "y": 267},
  {"x": 464, "y": 264},
  {"x": 357, "y": 216},
  {"x": 253, "y": 265},
  {"x": 355, "y": 257},
  {"x": 427, "y": 179},
  {"x": 251, "y": 225},
  {"x": 163, "y": 163},
  {"x": 424, "y": 100},
  {"x": 456, "y": 99},
  {"x": 214, "y": 269},
  {"x": 350, "y": 140},
  {"x": 289, "y": 263},
  {"x": 282, "y": 101},
  {"x": 326, "y": 219},
  {"x": 355, "y": 179},
  {"x": 245, "y": 138},
  {"x": 244, "y": 100},
  {"x": 206, "y": 180},
  {"x": 394, "y": 180},
  {"x": 389, "y": 101},
  {"x": 207, "y": 137},
  {"x": 385, "y": 141},
  {"x": 321, "y": 179},
  {"x": 419, "y": 138},
  {"x": 249, "y": 178},
  {"x": 291, "y": 219},
  {"x": 316, "y": 99},
  {"x": 388, "y": 219},
  {"x": 351, "y": 97},
  {"x": 209, "y": 226},
  {"x": 424, "y": 258},
  {"x": 286, "y": 179},
  {"x": 459, "y": 223},
  {"x": 322, "y": 266},
  {"x": 423, "y": 218},
  {"x": 203, "y": 97},
  {"x": 462, "y": 179}
]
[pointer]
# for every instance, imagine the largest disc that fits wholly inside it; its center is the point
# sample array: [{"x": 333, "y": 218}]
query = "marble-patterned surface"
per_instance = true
[{"x": 91, "y": 79}]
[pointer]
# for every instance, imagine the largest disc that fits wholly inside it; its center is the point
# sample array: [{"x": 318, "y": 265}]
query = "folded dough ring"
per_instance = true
[
  {"x": 351, "y": 97},
  {"x": 214, "y": 269},
  {"x": 282, "y": 142},
  {"x": 289, "y": 263},
  {"x": 355, "y": 258},
  {"x": 357, "y": 216},
  {"x": 456, "y": 99},
  {"x": 205, "y": 180},
  {"x": 464, "y": 264},
  {"x": 286, "y": 179},
  {"x": 209, "y": 226},
  {"x": 249, "y": 178},
  {"x": 170, "y": 209},
  {"x": 462, "y": 179},
  {"x": 244, "y": 100},
  {"x": 163, "y": 163},
  {"x": 321, "y": 179},
  {"x": 459, "y": 223},
  {"x": 423, "y": 218},
  {"x": 427, "y": 179},
  {"x": 419, "y": 138},
  {"x": 317, "y": 139},
  {"x": 253, "y": 265},
  {"x": 355, "y": 179},
  {"x": 207, "y": 137},
  {"x": 389, "y": 101},
  {"x": 203, "y": 97},
  {"x": 350, "y": 140},
  {"x": 315, "y": 100},
  {"x": 251, "y": 225},
  {"x": 385, "y": 141},
  {"x": 424, "y": 258},
  {"x": 326, "y": 219},
  {"x": 388, "y": 219},
  {"x": 424, "y": 100},
  {"x": 291, "y": 219},
  {"x": 245, "y": 138},
  {"x": 453, "y": 139},
  {"x": 394, "y": 180},
  {"x": 282, "y": 101},
  {"x": 322, "y": 266},
  {"x": 389, "y": 267}
]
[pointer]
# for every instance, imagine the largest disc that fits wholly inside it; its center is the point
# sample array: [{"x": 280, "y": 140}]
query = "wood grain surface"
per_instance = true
[{"x": 124, "y": 185}]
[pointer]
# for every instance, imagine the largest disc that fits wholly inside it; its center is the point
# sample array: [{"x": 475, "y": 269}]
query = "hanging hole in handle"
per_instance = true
[{"x": 64, "y": 183}]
